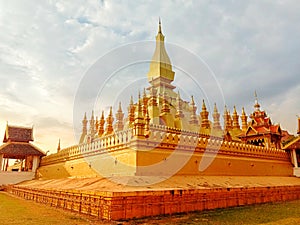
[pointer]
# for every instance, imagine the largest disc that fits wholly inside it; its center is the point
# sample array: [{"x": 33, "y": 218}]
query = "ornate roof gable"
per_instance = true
[{"x": 18, "y": 134}]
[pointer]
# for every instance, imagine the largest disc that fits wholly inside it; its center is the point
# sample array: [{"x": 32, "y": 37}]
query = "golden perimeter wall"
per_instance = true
[{"x": 164, "y": 152}]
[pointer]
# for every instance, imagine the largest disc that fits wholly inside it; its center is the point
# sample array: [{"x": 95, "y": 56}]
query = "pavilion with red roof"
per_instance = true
[{"x": 261, "y": 131}]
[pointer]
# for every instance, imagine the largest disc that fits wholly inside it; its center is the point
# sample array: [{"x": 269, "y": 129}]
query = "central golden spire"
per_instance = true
[{"x": 160, "y": 73}]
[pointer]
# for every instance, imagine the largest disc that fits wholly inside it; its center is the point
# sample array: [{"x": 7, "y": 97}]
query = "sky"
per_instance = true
[{"x": 48, "y": 48}]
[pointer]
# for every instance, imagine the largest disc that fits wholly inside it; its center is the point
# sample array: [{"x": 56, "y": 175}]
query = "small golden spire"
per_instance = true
[
  {"x": 165, "y": 106},
  {"x": 153, "y": 100},
  {"x": 216, "y": 117},
  {"x": 96, "y": 124},
  {"x": 139, "y": 121},
  {"x": 147, "y": 121},
  {"x": 244, "y": 119},
  {"x": 139, "y": 96},
  {"x": 145, "y": 101},
  {"x": 131, "y": 100},
  {"x": 193, "y": 108},
  {"x": 84, "y": 128},
  {"x": 139, "y": 107},
  {"x": 227, "y": 119},
  {"x": 119, "y": 118},
  {"x": 92, "y": 124},
  {"x": 131, "y": 110},
  {"x": 101, "y": 125},
  {"x": 58, "y": 147},
  {"x": 204, "y": 116},
  {"x": 235, "y": 119},
  {"x": 109, "y": 121},
  {"x": 179, "y": 112}
]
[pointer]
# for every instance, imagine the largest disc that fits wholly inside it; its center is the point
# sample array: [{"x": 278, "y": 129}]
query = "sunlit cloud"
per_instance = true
[{"x": 46, "y": 48}]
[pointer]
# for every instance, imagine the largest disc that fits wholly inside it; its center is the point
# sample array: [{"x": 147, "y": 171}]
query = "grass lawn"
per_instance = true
[
  {"x": 21, "y": 212},
  {"x": 18, "y": 211},
  {"x": 283, "y": 213}
]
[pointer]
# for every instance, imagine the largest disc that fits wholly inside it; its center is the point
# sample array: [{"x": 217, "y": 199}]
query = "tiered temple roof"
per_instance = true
[
  {"x": 18, "y": 134},
  {"x": 17, "y": 144}
]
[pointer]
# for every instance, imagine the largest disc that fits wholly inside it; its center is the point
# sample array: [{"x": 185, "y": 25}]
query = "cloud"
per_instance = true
[{"x": 46, "y": 48}]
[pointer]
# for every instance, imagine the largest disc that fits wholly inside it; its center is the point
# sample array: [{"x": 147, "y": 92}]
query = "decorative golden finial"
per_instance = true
[
  {"x": 215, "y": 108},
  {"x": 159, "y": 25},
  {"x": 131, "y": 100},
  {"x": 203, "y": 105},
  {"x": 234, "y": 110},
  {"x": 256, "y": 105},
  {"x": 192, "y": 101},
  {"x": 139, "y": 96},
  {"x": 243, "y": 111}
]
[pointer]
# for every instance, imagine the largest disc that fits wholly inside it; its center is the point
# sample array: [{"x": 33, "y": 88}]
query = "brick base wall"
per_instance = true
[{"x": 136, "y": 204}]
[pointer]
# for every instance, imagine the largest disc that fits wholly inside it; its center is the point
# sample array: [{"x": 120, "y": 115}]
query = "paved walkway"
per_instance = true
[{"x": 151, "y": 183}]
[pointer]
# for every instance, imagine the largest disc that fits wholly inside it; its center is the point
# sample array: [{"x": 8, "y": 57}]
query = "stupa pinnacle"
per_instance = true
[{"x": 160, "y": 74}]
